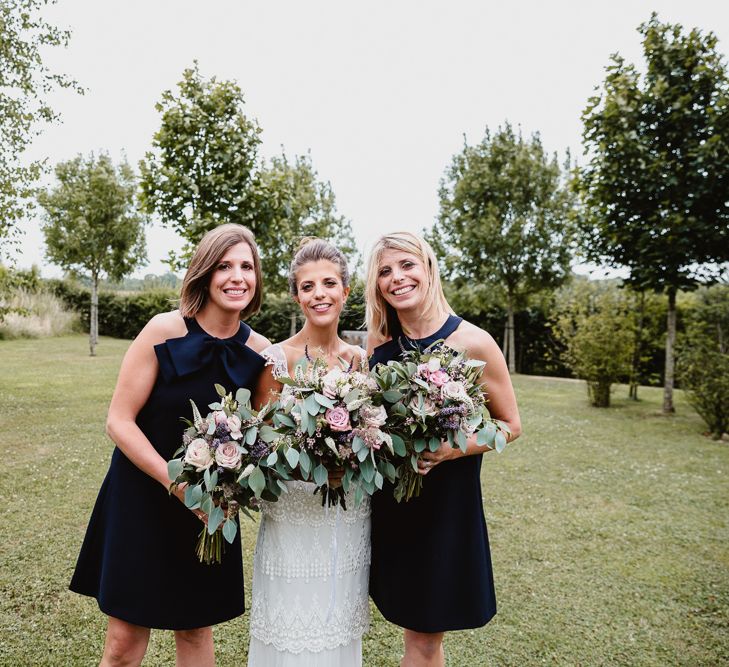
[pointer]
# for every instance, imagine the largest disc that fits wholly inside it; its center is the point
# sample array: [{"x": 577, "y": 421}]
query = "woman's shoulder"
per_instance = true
[
  {"x": 257, "y": 342},
  {"x": 473, "y": 339},
  {"x": 162, "y": 327}
]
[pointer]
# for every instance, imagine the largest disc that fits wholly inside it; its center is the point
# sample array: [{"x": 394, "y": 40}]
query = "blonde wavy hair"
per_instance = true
[
  {"x": 381, "y": 317},
  {"x": 210, "y": 250}
]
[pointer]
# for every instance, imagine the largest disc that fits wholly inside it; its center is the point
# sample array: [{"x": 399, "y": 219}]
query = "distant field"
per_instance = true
[{"x": 609, "y": 528}]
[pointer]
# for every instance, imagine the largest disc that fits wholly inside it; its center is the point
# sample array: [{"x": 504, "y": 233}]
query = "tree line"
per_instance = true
[{"x": 651, "y": 197}]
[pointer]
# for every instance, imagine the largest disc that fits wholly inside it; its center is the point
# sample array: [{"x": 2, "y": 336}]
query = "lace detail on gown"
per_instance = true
[
  {"x": 310, "y": 602},
  {"x": 276, "y": 358},
  {"x": 311, "y": 572}
]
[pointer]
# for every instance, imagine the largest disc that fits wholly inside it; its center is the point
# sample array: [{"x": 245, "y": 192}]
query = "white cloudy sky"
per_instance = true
[{"x": 380, "y": 92}]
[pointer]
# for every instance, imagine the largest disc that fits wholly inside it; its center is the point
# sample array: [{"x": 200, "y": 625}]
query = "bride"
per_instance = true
[{"x": 311, "y": 565}]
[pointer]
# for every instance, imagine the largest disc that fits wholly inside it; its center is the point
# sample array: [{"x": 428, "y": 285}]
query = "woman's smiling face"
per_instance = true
[
  {"x": 233, "y": 282},
  {"x": 402, "y": 279},
  {"x": 320, "y": 291}
]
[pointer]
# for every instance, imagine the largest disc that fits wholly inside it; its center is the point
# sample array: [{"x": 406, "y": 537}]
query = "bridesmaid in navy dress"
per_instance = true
[
  {"x": 138, "y": 557},
  {"x": 440, "y": 537}
]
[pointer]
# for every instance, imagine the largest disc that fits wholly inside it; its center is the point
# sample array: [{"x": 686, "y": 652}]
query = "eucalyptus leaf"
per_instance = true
[
  {"x": 304, "y": 462},
  {"x": 251, "y": 435},
  {"x": 434, "y": 444},
  {"x": 292, "y": 456},
  {"x": 392, "y": 396},
  {"x": 257, "y": 481},
  {"x": 284, "y": 419},
  {"x": 215, "y": 518},
  {"x": 321, "y": 476},
  {"x": 230, "y": 530},
  {"x": 379, "y": 479},
  {"x": 419, "y": 445},
  {"x": 174, "y": 468},
  {"x": 266, "y": 433},
  {"x": 243, "y": 395},
  {"x": 332, "y": 445},
  {"x": 500, "y": 441},
  {"x": 324, "y": 400},
  {"x": 215, "y": 406},
  {"x": 312, "y": 405},
  {"x": 272, "y": 458},
  {"x": 398, "y": 444}
]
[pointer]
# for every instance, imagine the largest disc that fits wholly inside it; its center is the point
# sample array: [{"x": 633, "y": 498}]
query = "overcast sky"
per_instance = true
[{"x": 380, "y": 92}]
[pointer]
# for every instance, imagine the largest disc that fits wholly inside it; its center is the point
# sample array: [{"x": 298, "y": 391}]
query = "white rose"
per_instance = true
[
  {"x": 198, "y": 455},
  {"x": 454, "y": 391},
  {"x": 373, "y": 415},
  {"x": 329, "y": 382},
  {"x": 227, "y": 455}
]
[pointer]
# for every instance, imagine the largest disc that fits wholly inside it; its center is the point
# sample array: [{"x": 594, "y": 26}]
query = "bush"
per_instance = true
[
  {"x": 121, "y": 315},
  {"x": 703, "y": 358},
  {"x": 35, "y": 314},
  {"x": 593, "y": 323}
]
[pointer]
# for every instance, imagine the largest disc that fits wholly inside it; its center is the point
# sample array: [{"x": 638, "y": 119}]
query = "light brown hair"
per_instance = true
[
  {"x": 380, "y": 315},
  {"x": 209, "y": 252},
  {"x": 312, "y": 249}
]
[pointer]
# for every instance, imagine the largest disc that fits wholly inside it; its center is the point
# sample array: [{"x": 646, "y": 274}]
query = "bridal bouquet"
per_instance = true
[
  {"x": 222, "y": 461},
  {"x": 431, "y": 396},
  {"x": 330, "y": 420}
]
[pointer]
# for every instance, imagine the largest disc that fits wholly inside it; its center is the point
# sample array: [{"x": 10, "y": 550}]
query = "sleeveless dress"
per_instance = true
[
  {"x": 310, "y": 576},
  {"x": 138, "y": 557},
  {"x": 431, "y": 564}
]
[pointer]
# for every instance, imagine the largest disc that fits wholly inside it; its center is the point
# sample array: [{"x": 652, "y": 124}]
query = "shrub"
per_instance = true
[
  {"x": 593, "y": 324},
  {"x": 703, "y": 358},
  {"x": 35, "y": 314}
]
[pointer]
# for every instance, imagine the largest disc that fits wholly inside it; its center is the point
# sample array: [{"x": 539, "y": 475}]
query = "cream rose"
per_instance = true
[
  {"x": 228, "y": 456},
  {"x": 198, "y": 455},
  {"x": 454, "y": 391},
  {"x": 234, "y": 425},
  {"x": 373, "y": 415},
  {"x": 329, "y": 382}
]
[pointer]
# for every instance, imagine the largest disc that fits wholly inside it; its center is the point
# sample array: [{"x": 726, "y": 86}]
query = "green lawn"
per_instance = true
[{"x": 608, "y": 527}]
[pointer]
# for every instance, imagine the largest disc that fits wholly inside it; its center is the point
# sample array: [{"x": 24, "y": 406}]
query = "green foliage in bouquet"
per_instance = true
[
  {"x": 432, "y": 396},
  {"x": 223, "y": 462}
]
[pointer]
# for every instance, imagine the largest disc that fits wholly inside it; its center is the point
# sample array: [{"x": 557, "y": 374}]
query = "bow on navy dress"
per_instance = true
[
  {"x": 439, "y": 538},
  {"x": 138, "y": 557}
]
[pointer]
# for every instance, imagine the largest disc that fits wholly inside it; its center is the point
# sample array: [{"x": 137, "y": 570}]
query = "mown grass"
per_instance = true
[{"x": 608, "y": 527}]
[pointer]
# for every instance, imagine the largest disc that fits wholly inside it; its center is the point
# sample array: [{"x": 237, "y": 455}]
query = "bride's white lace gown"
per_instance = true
[{"x": 310, "y": 603}]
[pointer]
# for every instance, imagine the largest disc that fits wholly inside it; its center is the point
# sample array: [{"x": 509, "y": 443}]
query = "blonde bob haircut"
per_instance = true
[
  {"x": 381, "y": 316},
  {"x": 205, "y": 259}
]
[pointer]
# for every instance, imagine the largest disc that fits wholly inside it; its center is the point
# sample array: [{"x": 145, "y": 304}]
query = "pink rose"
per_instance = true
[
  {"x": 234, "y": 425},
  {"x": 227, "y": 455},
  {"x": 220, "y": 417},
  {"x": 338, "y": 419},
  {"x": 198, "y": 455},
  {"x": 439, "y": 377}
]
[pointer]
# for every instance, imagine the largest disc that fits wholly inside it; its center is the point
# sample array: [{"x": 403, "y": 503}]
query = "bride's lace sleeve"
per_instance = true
[{"x": 276, "y": 358}]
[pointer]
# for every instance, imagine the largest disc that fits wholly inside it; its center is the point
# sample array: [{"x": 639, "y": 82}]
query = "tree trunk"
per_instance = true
[
  {"x": 505, "y": 342},
  {"x": 670, "y": 361},
  {"x": 599, "y": 393},
  {"x": 94, "y": 323},
  {"x": 637, "y": 351},
  {"x": 510, "y": 331}
]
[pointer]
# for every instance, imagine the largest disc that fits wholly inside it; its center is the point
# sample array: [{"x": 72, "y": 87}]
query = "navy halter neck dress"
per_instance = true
[
  {"x": 431, "y": 564},
  {"x": 138, "y": 557}
]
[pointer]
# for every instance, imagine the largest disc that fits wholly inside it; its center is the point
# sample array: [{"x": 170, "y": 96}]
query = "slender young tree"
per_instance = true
[
  {"x": 25, "y": 84},
  {"x": 201, "y": 171},
  {"x": 92, "y": 225},
  {"x": 655, "y": 191},
  {"x": 504, "y": 221}
]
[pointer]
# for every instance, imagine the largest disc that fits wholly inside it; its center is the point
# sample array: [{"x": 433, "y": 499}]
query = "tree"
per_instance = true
[
  {"x": 592, "y": 320},
  {"x": 92, "y": 224},
  {"x": 703, "y": 360},
  {"x": 504, "y": 221},
  {"x": 295, "y": 204},
  {"x": 655, "y": 191},
  {"x": 25, "y": 82},
  {"x": 202, "y": 169}
]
